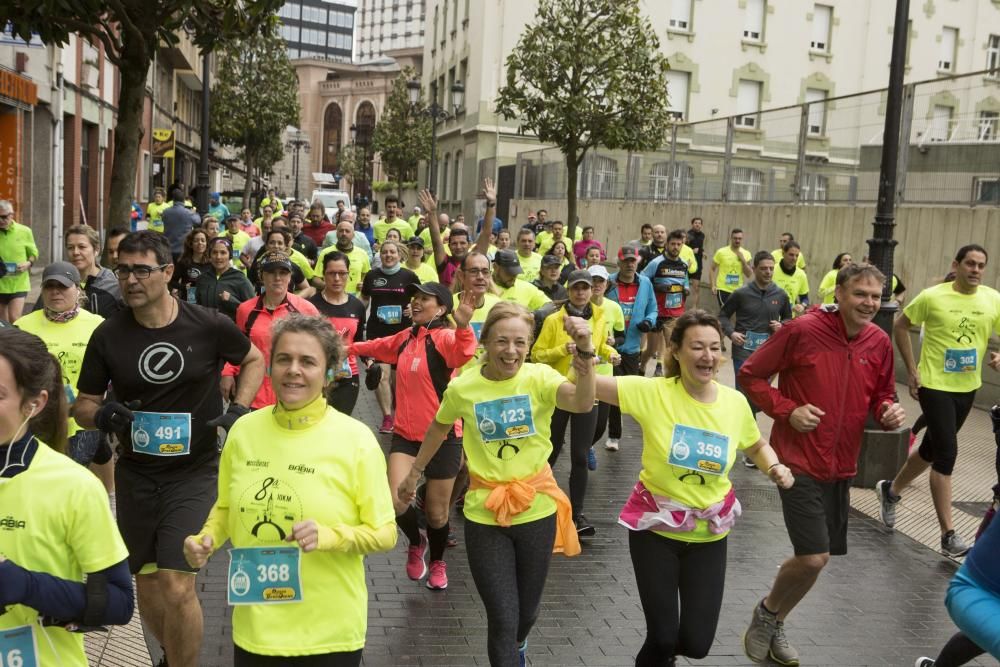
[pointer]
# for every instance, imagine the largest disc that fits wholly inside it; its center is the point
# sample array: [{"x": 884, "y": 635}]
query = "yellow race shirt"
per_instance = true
[
  {"x": 777, "y": 253},
  {"x": 827, "y": 286},
  {"x": 71, "y": 533},
  {"x": 531, "y": 266},
  {"x": 957, "y": 329},
  {"x": 360, "y": 265},
  {"x": 478, "y": 317},
  {"x": 525, "y": 294},
  {"x": 614, "y": 319},
  {"x": 382, "y": 228},
  {"x": 426, "y": 272},
  {"x": 154, "y": 215},
  {"x": 239, "y": 239},
  {"x": 67, "y": 341},
  {"x": 506, "y": 433},
  {"x": 271, "y": 478},
  {"x": 730, "y": 276},
  {"x": 677, "y": 432},
  {"x": 687, "y": 254},
  {"x": 794, "y": 285}
]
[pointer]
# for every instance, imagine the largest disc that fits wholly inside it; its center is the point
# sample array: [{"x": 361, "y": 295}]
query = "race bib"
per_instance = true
[
  {"x": 11, "y": 267},
  {"x": 17, "y": 647},
  {"x": 732, "y": 280},
  {"x": 627, "y": 312},
  {"x": 162, "y": 433},
  {"x": 673, "y": 300},
  {"x": 70, "y": 394},
  {"x": 477, "y": 328},
  {"x": 389, "y": 314},
  {"x": 505, "y": 418},
  {"x": 192, "y": 295},
  {"x": 753, "y": 340},
  {"x": 344, "y": 371},
  {"x": 264, "y": 575},
  {"x": 961, "y": 361},
  {"x": 699, "y": 450}
]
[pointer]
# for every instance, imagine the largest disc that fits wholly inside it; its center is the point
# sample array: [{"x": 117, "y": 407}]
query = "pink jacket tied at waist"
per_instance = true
[{"x": 645, "y": 511}]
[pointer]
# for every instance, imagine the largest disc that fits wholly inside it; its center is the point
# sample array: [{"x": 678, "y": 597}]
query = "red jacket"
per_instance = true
[
  {"x": 417, "y": 397},
  {"x": 817, "y": 364},
  {"x": 318, "y": 232}
]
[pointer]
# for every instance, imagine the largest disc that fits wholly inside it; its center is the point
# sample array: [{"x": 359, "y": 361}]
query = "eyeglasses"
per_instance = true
[
  {"x": 140, "y": 271},
  {"x": 477, "y": 272}
]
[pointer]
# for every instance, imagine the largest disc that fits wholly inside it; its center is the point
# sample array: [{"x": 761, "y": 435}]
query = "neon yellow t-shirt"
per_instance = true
[
  {"x": 275, "y": 205},
  {"x": 154, "y": 215},
  {"x": 525, "y": 294},
  {"x": 478, "y": 317},
  {"x": 730, "y": 276},
  {"x": 382, "y": 228},
  {"x": 17, "y": 244},
  {"x": 71, "y": 533},
  {"x": 794, "y": 285},
  {"x": 426, "y": 272},
  {"x": 957, "y": 329},
  {"x": 531, "y": 266},
  {"x": 272, "y": 477},
  {"x": 300, "y": 260},
  {"x": 360, "y": 265},
  {"x": 67, "y": 341},
  {"x": 827, "y": 286},
  {"x": 522, "y": 404},
  {"x": 777, "y": 253},
  {"x": 687, "y": 254},
  {"x": 614, "y": 319},
  {"x": 239, "y": 239},
  {"x": 660, "y": 404}
]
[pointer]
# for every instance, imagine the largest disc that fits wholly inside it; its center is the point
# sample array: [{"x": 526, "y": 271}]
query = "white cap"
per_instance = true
[
  {"x": 598, "y": 271},
  {"x": 416, "y": 209}
]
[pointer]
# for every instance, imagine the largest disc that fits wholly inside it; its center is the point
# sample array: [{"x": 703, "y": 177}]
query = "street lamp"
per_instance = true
[
  {"x": 354, "y": 133},
  {"x": 436, "y": 113},
  {"x": 297, "y": 140}
]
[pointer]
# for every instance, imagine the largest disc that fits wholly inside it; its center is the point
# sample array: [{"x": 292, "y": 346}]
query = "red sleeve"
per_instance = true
[
  {"x": 885, "y": 385},
  {"x": 763, "y": 364},
  {"x": 457, "y": 346},
  {"x": 384, "y": 350}
]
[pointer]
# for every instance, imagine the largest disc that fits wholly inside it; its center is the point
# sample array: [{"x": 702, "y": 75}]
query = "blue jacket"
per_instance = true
[{"x": 643, "y": 310}]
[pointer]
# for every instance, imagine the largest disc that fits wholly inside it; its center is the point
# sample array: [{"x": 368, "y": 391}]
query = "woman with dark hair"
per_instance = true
[
  {"x": 224, "y": 287},
  {"x": 560, "y": 250},
  {"x": 193, "y": 262},
  {"x": 829, "y": 282},
  {"x": 683, "y": 506},
  {"x": 65, "y": 552}
]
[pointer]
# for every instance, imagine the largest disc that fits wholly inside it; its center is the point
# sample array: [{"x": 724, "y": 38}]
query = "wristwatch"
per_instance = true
[{"x": 585, "y": 354}]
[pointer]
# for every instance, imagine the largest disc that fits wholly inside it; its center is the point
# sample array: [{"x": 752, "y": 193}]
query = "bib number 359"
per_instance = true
[{"x": 17, "y": 647}]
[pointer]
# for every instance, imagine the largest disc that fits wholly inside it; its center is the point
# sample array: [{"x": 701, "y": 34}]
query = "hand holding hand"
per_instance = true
[
  {"x": 781, "y": 476},
  {"x": 407, "y": 490},
  {"x": 579, "y": 330},
  {"x": 197, "y": 551}
]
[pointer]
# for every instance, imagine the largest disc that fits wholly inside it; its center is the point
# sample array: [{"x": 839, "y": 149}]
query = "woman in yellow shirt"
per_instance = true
[
  {"x": 829, "y": 282},
  {"x": 303, "y": 498}
]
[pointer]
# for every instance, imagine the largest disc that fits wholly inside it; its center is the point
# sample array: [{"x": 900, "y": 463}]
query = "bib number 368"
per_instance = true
[{"x": 17, "y": 647}]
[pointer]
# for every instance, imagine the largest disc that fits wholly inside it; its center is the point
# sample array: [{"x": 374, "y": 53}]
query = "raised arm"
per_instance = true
[
  {"x": 429, "y": 204},
  {"x": 483, "y": 240}
]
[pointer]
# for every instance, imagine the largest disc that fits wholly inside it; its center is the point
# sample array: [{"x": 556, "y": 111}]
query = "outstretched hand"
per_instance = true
[
  {"x": 427, "y": 201},
  {"x": 466, "y": 307},
  {"x": 489, "y": 189}
]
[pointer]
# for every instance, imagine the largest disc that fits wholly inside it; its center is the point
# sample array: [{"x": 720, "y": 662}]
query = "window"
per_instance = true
[
  {"x": 745, "y": 184},
  {"x": 677, "y": 93},
  {"x": 598, "y": 177},
  {"x": 660, "y": 175},
  {"x": 940, "y": 123},
  {"x": 822, "y": 20},
  {"x": 290, "y": 10},
  {"x": 814, "y": 187},
  {"x": 680, "y": 15},
  {"x": 445, "y": 173},
  {"x": 747, "y": 103},
  {"x": 815, "y": 98},
  {"x": 987, "y": 190},
  {"x": 988, "y": 125},
  {"x": 949, "y": 40},
  {"x": 456, "y": 189},
  {"x": 993, "y": 54},
  {"x": 753, "y": 21}
]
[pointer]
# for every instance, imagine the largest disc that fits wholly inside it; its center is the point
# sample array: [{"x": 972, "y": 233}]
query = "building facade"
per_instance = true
[
  {"x": 388, "y": 25},
  {"x": 320, "y": 29}
]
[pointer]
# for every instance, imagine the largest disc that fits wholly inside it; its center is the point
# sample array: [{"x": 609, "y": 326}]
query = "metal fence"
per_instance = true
[{"x": 825, "y": 151}]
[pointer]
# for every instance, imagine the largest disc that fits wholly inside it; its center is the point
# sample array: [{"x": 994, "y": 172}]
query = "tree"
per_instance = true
[
  {"x": 352, "y": 162},
  {"x": 402, "y": 137},
  {"x": 253, "y": 106},
  {"x": 130, "y": 32},
  {"x": 588, "y": 73}
]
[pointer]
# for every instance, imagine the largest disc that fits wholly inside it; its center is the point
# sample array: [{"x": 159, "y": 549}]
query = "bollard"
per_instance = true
[{"x": 883, "y": 453}]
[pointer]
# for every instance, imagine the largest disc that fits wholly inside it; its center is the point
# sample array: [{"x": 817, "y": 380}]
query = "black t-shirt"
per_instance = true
[
  {"x": 306, "y": 246},
  {"x": 647, "y": 254},
  {"x": 387, "y": 295},
  {"x": 173, "y": 369},
  {"x": 696, "y": 241},
  {"x": 342, "y": 316}
]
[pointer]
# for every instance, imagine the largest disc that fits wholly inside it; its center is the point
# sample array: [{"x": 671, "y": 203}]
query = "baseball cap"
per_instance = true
[
  {"x": 275, "y": 260},
  {"x": 508, "y": 260},
  {"x": 629, "y": 251},
  {"x": 436, "y": 290},
  {"x": 579, "y": 276},
  {"x": 551, "y": 260},
  {"x": 415, "y": 240},
  {"x": 598, "y": 271},
  {"x": 63, "y": 273}
]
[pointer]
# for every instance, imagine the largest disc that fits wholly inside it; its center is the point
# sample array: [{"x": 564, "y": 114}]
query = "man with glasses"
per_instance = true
[
  {"x": 360, "y": 265},
  {"x": 17, "y": 253},
  {"x": 164, "y": 357}
]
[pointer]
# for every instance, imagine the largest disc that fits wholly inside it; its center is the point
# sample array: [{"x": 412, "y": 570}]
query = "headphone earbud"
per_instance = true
[{"x": 329, "y": 375}]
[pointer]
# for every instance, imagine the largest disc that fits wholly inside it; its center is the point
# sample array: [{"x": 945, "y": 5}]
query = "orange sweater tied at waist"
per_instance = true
[{"x": 508, "y": 499}]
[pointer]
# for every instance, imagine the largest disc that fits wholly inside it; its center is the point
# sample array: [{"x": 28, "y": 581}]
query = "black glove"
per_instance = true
[
  {"x": 103, "y": 453},
  {"x": 645, "y": 326},
  {"x": 229, "y": 417},
  {"x": 373, "y": 376},
  {"x": 113, "y": 417}
]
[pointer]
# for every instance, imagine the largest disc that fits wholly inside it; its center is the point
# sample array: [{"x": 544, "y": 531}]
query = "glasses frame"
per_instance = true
[{"x": 140, "y": 271}]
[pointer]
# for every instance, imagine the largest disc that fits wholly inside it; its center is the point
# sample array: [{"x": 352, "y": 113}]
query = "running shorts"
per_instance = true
[
  {"x": 445, "y": 464},
  {"x": 816, "y": 515}
]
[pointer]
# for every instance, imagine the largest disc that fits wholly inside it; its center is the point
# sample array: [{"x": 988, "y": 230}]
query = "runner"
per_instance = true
[
  {"x": 18, "y": 253},
  {"x": 634, "y": 293},
  {"x": 318, "y": 225},
  {"x": 426, "y": 355},
  {"x": 530, "y": 261},
  {"x": 458, "y": 240},
  {"x": 548, "y": 279},
  {"x": 556, "y": 347},
  {"x": 272, "y": 201},
  {"x": 178, "y": 222},
  {"x": 729, "y": 266},
  {"x": 510, "y": 541},
  {"x": 216, "y": 208},
  {"x": 560, "y": 251},
  {"x": 474, "y": 276},
  {"x": 391, "y": 221},
  {"x": 779, "y": 252},
  {"x": 223, "y": 287},
  {"x": 506, "y": 273},
  {"x": 504, "y": 242},
  {"x": 278, "y": 240},
  {"x": 834, "y": 368},
  {"x": 154, "y": 211},
  {"x": 695, "y": 239},
  {"x": 958, "y": 319},
  {"x": 312, "y": 529},
  {"x": 347, "y": 315},
  {"x": 669, "y": 274},
  {"x": 614, "y": 320},
  {"x": 359, "y": 262},
  {"x": 545, "y": 239},
  {"x": 114, "y": 237},
  {"x": 415, "y": 261},
  {"x": 63, "y": 563},
  {"x": 646, "y": 234},
  {"x": 193, "y": 262},
  {"x": 211, "y": 226},
  {"x": 164, "y": 356},
  {"x": 792, "y": 279},
  {"x": 683, "y": 506},
  {"x": 237, "y": 237},
  {"x": 100, "y": 287},
  {"x": 300, "y": 241},
  {"x": 387, "y": 290},
  {"x": 829, "y": 282},
  {"x": 247, "y": 225},
  {"x": 582, "y": 248}
]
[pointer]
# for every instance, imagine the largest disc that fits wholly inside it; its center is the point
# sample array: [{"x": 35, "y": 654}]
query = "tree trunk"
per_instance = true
[
  {"x": 572, "y": 165},
  {"x": 248, "y": 181},
  {"x": 128, "y": 132}
]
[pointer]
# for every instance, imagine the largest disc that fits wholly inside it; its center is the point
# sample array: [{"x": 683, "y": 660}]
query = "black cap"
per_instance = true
[
  {"x": 63, "y": 273},
  {"x": 436, "y": 290},
  {"x": 580, "y": 276},
  {"x": 629, "y": 251},
  {"x": 551, "y": 260},
  {"x": 274, "y": 260},
  {"x": 415, "y": 240},
  {"x": 508, "y": 260}
]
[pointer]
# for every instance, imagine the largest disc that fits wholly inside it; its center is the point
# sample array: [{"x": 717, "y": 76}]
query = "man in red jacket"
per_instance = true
[{"x": 834, "y": 367}]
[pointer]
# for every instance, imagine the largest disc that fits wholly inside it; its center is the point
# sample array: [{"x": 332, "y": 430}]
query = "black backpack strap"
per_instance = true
[{"x": 254, "y": 314}]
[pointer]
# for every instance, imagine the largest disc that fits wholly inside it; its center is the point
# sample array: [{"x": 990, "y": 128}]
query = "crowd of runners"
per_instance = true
[{"x": 200, "y": 376}]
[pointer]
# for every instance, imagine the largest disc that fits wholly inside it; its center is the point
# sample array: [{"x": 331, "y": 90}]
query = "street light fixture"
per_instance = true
[
  {"x": 354, "y": 134},
  {"x": 297, "y": 140},
  {"x": 436, "y": 113}
]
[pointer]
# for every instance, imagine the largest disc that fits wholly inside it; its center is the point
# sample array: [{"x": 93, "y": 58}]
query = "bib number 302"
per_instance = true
[{"x": 17, "y": 647}]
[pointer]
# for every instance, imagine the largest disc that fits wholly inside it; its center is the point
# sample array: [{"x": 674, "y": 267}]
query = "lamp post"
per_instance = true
[
  {"x": 436, "y": 113},
  {"x": 354, "y": 156},
  {"x": 297, "y": 140}
]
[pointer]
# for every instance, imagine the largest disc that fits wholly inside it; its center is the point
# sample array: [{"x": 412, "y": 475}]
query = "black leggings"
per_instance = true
[
  {"x": 603, "y": 410},
  {"x": 343, "y": 395},
  {"x": 509, "y": 566},
  {"x": 945, "y": 412},
  {"x": 665, "y": 569},
  {"x": 581, "y": 437},
  {"x": 958, "y": 651},
  {"x": 243, "y": 658}
]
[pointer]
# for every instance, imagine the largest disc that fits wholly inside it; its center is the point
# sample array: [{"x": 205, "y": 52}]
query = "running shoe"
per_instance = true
[
  {"x": 953, "y": 545},
  {"x": 437, "y": 580},
  {"x": 886, "y": 503},
  {"x": 416, "y": 566},
  {"x": 583, "y": 527},
  {"x": 611, "y": 444},
  {"x": 924, "y": 662},
  {"x": 748, "y": 462},
  {"x": 781, "y": 651},
  {"x": 522, "y": 652},
  {"x": 760, "y": 633},
  {"x": 591, "y": 459},
  {"x": 387, "y": 424}
]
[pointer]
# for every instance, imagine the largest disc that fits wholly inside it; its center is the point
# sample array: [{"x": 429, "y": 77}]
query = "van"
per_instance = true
[{"x": 330, "y": 198}]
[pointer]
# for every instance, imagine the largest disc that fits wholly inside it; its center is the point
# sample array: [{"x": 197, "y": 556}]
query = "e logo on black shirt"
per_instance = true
[{"x": 161, "y": 363}]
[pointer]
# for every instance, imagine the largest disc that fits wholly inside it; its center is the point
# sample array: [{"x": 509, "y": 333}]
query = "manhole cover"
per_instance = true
[
  {"x": 759, "y": 498},
  {"x": 975, "y": 509}
]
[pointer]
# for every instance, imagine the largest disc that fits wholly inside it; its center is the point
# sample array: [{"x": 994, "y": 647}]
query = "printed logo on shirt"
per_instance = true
[
  {"x": 161, "y": 363},
  {"x": 269, "y": 508},
  {"x": 380, "y": 282},
  {"x": 258, "y": 464},
  {"x": 10, "y": 523}
]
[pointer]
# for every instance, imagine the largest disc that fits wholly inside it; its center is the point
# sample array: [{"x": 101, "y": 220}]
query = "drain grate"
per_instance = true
[{"x": 759, "y": 498}]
